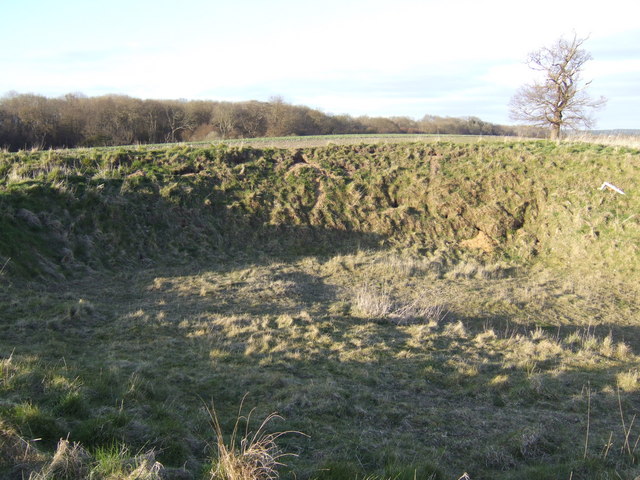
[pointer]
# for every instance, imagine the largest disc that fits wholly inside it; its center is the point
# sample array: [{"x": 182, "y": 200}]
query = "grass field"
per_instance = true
[
  {"x": 310, "y": 141},
  {"x": 326, "y": 140},
  {"x": 421, "y": 310}
]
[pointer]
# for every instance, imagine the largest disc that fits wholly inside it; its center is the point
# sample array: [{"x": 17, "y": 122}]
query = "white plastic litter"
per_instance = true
[{"x": 612, "y": 187}]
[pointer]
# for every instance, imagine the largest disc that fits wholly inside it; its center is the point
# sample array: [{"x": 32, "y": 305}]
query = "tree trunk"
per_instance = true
[{"x": 557, "y": 121}]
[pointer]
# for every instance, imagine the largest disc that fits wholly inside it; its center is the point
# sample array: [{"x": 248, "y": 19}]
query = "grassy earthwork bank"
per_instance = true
[{"x": 411, "y": 310}]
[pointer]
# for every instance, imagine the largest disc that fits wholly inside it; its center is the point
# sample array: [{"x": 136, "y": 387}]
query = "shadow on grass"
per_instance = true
[
  {"x": 51, "y": 232},
  {"x": 153, "y": 348}
]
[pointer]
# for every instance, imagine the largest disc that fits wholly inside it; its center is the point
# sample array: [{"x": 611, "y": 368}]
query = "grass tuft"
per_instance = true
[
  {"x": 16, "y": 453},
  {"x": 70, "y": 462},
  {"x": 628, "y": 381},
  {"x": 378, "y": 303},
  {"x": 253, "y": 456},
  {"x": 373, "y": 302}
]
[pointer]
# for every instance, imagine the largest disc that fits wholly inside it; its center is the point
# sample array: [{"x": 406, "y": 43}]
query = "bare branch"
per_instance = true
[{"x": 560, "y": 100}]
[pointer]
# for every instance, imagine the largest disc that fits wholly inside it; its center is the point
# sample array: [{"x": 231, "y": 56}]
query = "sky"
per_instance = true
[{"x": 358, "y": 57}]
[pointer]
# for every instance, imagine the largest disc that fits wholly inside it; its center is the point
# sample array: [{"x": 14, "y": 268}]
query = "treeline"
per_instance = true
[{"x": 35, "y": 121}]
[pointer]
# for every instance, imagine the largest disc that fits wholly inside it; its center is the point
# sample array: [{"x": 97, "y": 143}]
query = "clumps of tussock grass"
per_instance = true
[
  {"x": 417, "y": 311},
  {"x": 628, "y": 381},
  {"x": 401, "y": 265},
  {"x": 82, "y": 308},
  {"x": 622, "y": 443},
  {"x": 374, "y": 302},
  {"x": 253, "y": 456},
  {"x": 75, "y": 314},
  {"x": 71, "y": 461},
  {"x": 586, "y": 342},
  {"x": 474, "y": 269},
  {"x": 116, "y": 463},
  {"x": 17, "y": 454},
  {"x": 498, "y": 458}
]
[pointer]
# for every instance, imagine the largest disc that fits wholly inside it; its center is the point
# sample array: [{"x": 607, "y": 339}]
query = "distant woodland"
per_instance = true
[{"x": 75, "y": 120}]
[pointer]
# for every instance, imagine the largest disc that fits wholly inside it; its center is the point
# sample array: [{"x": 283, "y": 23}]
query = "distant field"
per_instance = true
[
  {"x": 417, "y": 308},
  {"x": 604, "y": 138},
  {"x": 627, "y": 138},
  {"x": 325, "y": 140}
]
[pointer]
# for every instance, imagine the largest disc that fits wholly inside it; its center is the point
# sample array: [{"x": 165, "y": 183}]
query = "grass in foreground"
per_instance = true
[{"x": 520, "y": 378}]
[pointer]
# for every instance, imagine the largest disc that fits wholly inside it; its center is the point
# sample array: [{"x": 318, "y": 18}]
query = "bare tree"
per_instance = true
[
  {"x": 29, "y": 120},
  {"x": 560, "y": 99},
  {"x": 177, "y": 120},
  {"x": 252, "y": 119},
  {"x": 223, "y": 118}
]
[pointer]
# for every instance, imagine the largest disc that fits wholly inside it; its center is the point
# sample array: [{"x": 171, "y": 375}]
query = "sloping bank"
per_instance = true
[{"x": 63, "y": 212}]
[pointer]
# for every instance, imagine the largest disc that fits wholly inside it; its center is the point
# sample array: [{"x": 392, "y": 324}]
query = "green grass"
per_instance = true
[
  {"x": 224, "y": 272},
  {"x": 370, "y": 393}
]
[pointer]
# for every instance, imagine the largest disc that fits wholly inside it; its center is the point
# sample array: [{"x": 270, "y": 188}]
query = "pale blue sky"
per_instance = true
[{"x": 361, "y": 57}]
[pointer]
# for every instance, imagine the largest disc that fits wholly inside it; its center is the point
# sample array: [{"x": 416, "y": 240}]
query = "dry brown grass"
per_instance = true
[
  {"x": 325, "y": 140},
  {"x": 632, "y": 141},
  {"x": 629, "y": 381},
  {"x": 70, "y": 462},
  {"x": 17, "y": 453},
  {"x": 4, "y": 266},
  {"x": 253, "y": 456},
  {"x": 374, "y": 302}
]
